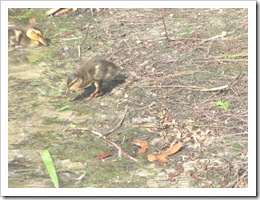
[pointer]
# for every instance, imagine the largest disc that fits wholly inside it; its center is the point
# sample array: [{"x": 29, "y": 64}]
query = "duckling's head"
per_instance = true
[
  {"x": 36, "y": 34},
  {"x": 74, "y": 83}
]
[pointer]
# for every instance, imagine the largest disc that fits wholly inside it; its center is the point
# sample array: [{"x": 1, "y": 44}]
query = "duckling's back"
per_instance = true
[
  {"x": 14, "y": 36},
  {"x": 96, "y": 70}
]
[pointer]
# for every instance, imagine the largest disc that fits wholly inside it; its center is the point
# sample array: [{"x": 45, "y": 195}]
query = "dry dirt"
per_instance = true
[{"x": 184, "y": 79}]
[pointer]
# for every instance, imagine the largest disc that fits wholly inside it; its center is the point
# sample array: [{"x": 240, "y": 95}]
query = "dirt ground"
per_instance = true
[{"x": 184, "y": 79}]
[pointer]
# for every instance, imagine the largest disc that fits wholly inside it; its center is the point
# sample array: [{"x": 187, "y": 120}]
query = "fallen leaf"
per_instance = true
[
  {"x": 148, "y": 45},
  {"x": 32, "y": 21},
  {"x": 245, "y": 22},
  {"x": 100, "y": 43},
  {"x": 173, "y": 149},
  {"x": 65, "y": 34},
  {"x": 57, "y": 11},
  {"x": 141, "y": 143},
  {"x": 104, "y": 155},
  {"x": 162, "y": 157},
  {"x": 52, "y": 11},
  {"x": 151, "y": 157},
  {"x": 159, "y": 157},
  {"x": 63, "y": 10}
]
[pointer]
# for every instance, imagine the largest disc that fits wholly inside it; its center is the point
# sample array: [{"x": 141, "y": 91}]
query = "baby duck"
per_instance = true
[
  {"x": 94, "y": 71},
  {"x": 31, "y": 37}
]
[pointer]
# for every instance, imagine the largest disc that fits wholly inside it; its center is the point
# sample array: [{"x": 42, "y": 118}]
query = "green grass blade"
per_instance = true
[
  {"x": 46, "y": 158},
  {"x": 64, "y": 108}
]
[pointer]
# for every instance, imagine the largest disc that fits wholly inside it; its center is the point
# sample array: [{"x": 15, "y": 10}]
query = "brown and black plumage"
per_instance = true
[
  {"x": 93, "y": 71},
  {"x": 26, "y": 37}
]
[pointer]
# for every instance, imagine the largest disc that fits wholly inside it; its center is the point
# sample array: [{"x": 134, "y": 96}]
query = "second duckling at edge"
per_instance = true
[
  {"x": 31, "y": 37},
  {"x": 93, "y": 71}
]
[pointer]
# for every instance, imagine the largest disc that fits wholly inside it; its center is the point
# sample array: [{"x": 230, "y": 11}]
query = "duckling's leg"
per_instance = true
[{"x": 98, "y": 85}]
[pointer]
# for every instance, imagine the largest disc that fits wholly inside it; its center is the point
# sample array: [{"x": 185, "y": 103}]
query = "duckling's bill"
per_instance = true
[{"x": 43, "y": 41}]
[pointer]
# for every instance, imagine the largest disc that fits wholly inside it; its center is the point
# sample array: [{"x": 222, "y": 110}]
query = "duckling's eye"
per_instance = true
[{"x": 36, "y": 33}]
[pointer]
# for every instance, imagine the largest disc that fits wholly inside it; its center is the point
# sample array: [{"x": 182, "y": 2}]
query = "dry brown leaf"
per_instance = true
[
  {"x": 148, "y": 45},
  {"x": 63, "y": 10},
  {"x": 245, "y": 22},
  {"x": 32, "y": 21},
  {"x": 100, "y": 43},
  {"x": 151, "y": 157},
  {"x": 173, "y": 149},
  {"x": 104, "y": 155},
  {"x": 57, "y": 11},
  {"x": 52, "y": 11},
  {"x": 65, "y": 34},
  {"x": 141, "y": 143},
  {"x": 163, "y": 156},
  {"x": 159, "y": 157}
]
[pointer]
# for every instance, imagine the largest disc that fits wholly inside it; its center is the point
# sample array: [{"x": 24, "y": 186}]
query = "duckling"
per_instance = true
[
  {"x": 31, "y": 37},
  {"x": 94, "y": 71}
]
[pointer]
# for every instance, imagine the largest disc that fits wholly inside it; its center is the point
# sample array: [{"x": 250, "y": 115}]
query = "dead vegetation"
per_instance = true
[{"x": 185, "y": 82}]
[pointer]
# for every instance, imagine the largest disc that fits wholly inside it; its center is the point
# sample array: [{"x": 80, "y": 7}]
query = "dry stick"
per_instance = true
[
  {"x": 223, "y": 34},
  {"x": 79, "y": 51},
  {"x": 108, "y": 141},
  {"x": 201, "y": 89},
  {"x": 174, "y": 86},
  {"x": 87, "y": 31},
  {"x": 221, "y": 87},
  {"x": 164, "y": 25},
  {"x": 221, "y": 60},
  {"x": 231, "y": 184},
  {"x": 119, "y": 124}
]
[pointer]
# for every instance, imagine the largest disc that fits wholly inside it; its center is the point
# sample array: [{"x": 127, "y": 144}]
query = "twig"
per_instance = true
[
  {"x": 119, "y": 124},
  {"x": 231, "y": 135},
  {"x": 174, "y": 86},
  {"x": 222, "y": 87},
  {"x": 237, "y": 181},
  {"x": 79, "y": 54},
  {"x": 68, "y": 39},
  {"x": 223, "y": 34},
  {"x": 221, "y": 60},
  {"x": 87, "y": 31},
  {"x": 127, "y": 44},
  {"x": 208, "y": 51},
  {"x": 108, "y": 141},
  {"x": 201, "y": 89},
  {"x": 164, "y": 25}
]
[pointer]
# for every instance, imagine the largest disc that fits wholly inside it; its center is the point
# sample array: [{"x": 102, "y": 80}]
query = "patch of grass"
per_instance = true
[
  {"x": 56, "y": 88},
  {"x": 221, "y": 104},
  {"x": 234, "y": 56},
  {"x": 42, "y": 92},
  {"x": 50, "y": 120},
  {"x": 47, "y": 160},
  {"x": 238, "y": 146},
  {"x": 41, "y": 57},
  {"x": 64, "y": 108},
  {"x": 24, "y": 14},
  {"x": 186, "y": 30},
  {"x": 35, "y": 83}
]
